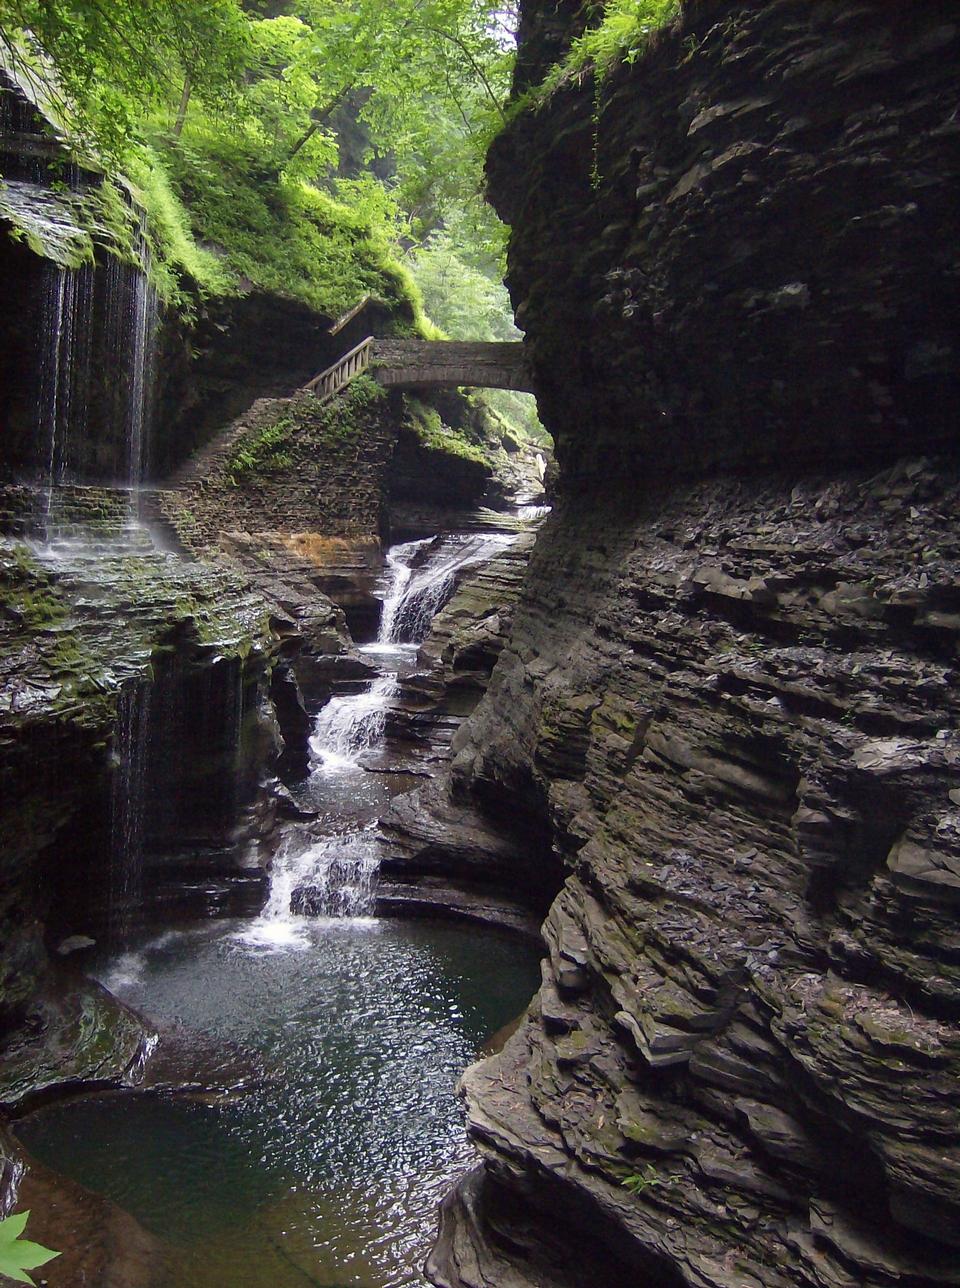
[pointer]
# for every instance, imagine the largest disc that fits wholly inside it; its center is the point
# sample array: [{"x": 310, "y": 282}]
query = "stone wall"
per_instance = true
[
  {"x": 304, "y": 491},
  {"x": 729, "y": 697},
  {"x": 289, "y": 464},
  {"x": 447, "y": 364}
]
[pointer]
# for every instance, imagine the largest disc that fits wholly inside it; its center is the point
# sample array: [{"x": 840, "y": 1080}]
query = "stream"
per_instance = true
[{"x": 343, "y": 1034}]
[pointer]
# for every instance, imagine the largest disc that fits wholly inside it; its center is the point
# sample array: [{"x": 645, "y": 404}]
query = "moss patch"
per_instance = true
[{"x": 433, "y": 434}]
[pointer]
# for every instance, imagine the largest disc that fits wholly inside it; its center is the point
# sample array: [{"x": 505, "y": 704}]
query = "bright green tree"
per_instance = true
[{"x": 108, "y": 63}]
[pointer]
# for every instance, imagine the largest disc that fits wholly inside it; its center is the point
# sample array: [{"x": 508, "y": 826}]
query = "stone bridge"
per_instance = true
[{"x": 429, "y": 364}]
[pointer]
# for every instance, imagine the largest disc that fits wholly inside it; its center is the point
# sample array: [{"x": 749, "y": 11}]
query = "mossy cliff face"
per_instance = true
[
  {"x": 110, "y": 314},
  {"x": 135, "y": 734},
  {"x": 729, "y": 696}
]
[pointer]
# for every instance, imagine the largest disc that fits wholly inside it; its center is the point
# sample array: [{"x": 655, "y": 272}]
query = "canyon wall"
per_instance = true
[{"x": 729, "y": 700}]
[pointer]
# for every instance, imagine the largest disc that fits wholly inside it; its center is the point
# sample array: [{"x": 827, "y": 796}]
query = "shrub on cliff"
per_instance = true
[{"x": 621, "y": 35}]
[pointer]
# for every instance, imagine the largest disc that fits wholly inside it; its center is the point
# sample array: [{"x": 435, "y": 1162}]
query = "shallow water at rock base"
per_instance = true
[{"x": 329, "y": 1170}]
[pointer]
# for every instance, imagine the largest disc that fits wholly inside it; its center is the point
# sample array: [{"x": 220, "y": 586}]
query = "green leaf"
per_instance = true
[
  {"x": 19, "y": 1255},
  {"x": 10, "y": 1272},
  {"x": 30, "y": 1255},
  {"x": 13, "y": 1227}
]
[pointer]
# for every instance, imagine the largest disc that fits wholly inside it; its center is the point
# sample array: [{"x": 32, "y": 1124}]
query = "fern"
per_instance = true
[{"x": 621, "y": 37}]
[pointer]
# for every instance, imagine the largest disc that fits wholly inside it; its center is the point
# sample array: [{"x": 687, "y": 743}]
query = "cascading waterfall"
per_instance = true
[
  {"x": 335, "y": 875},
  {"x": 165, "y": 814},
  {"x": 400, "y": 561},
  {"x": 128, "y": 808},
  {"x": 348, "y": 726},
  {"x": 431, "y": 580},
  {"x": 531, "y": 513},
  {"x": 143, "y": 329},
  {"x": 330, "y": 877},
  {"x": 117, "y": 303},
  {"x": 420, "y": 577}
]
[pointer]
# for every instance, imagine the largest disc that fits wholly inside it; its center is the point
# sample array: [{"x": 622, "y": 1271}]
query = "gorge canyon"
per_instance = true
[{"x": 692, "y": 734}]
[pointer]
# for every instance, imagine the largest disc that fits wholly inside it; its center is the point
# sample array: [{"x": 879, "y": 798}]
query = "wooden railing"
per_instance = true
[{"x": 343, "y": 371}]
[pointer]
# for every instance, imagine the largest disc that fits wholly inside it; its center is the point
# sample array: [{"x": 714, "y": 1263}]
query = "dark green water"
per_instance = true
[{"x": 329, "y": 1171}]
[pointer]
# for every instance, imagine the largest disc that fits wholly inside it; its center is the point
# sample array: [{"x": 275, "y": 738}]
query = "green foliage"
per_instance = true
[
  {"x": 621, "y": 36},
  {"x": 648, "y": 1179},
  {"x": 432, "y": 434},
  {"x": 176, "y": 252},
  {"x": 269, "y": 450},
  {"x": 18, "y": 1255},
  {"x": 340, "y": 418},
  {"x": 113, "y": 60},
  {"x": 362, "y": 393},
  {"x": 227, "y": 124},
  {"x": 467, "y": 303},
  {"x": 281, "y": 234},
  {"x": 519, "y": 414},
  {"x": 280, "y": 445},
  {"x": 637, "y": 1182},
  {"x": 462, "y": 291}
]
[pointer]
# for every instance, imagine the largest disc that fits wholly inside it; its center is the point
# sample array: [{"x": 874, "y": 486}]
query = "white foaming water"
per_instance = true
[
  {"x": 417, "y": 583},
  {"x": 126, "y": 971},
  {"x": 418, "y": 597},
  {"x": 277, "y": 926},
  {"x": 352, "y": 724},
  {"x": 397, "y": 577},
  {"x": 336, "y": 874}
]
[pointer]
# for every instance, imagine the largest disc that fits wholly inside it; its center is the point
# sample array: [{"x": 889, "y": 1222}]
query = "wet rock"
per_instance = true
[
  {"x": 741, "y": 859},
  {"x": 75, "y": 1037},
  {"x": 98, "y": 1241},
  {"x": 456, "y": 659},
  {"x": 729, "y": 695},
  {"x": 722, "y": 235},
  {"x": 135, "y": 733}
]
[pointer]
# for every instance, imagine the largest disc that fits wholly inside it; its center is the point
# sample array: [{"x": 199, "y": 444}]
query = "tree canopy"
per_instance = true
[
  {"x": 318, "y": 145},
  {"x": 112, "y": 61}
]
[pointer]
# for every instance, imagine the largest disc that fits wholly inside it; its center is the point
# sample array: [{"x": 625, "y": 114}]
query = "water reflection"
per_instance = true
[{"x": 329, "y": 1171}]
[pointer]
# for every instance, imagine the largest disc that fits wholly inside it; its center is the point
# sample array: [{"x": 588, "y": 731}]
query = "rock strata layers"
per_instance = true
[
  {"x": 729, "y": 698},
  {"x": 750, "y": 255},
  {"x": 136, "y": 731},
  {"x": 738, "y": 701}
]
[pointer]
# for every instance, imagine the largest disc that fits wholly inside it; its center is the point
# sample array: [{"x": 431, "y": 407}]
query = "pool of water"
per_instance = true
[{"x": 329, "y": 1170}]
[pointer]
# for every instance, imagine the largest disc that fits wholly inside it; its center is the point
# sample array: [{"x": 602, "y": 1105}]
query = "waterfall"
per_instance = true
[
  {"x": 420, "y": 577},
  {"x": 400, "y": 573},
  {"x": 430, "y": 581},
  {"x": 142, "y": 332},
  {"x": 330, "y": 877},
  {"x": 96, "y": 373},
  {"x": 48, "y": 403},
  {"x": 65, "y": 359},
  {"x": 128, "y": 807},
  {"x": 350, "y": 725},
  {"x": 334, "y": 876}
]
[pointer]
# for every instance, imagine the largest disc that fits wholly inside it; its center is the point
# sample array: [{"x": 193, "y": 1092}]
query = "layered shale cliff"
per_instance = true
[{"x": 728, "y": 709}]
